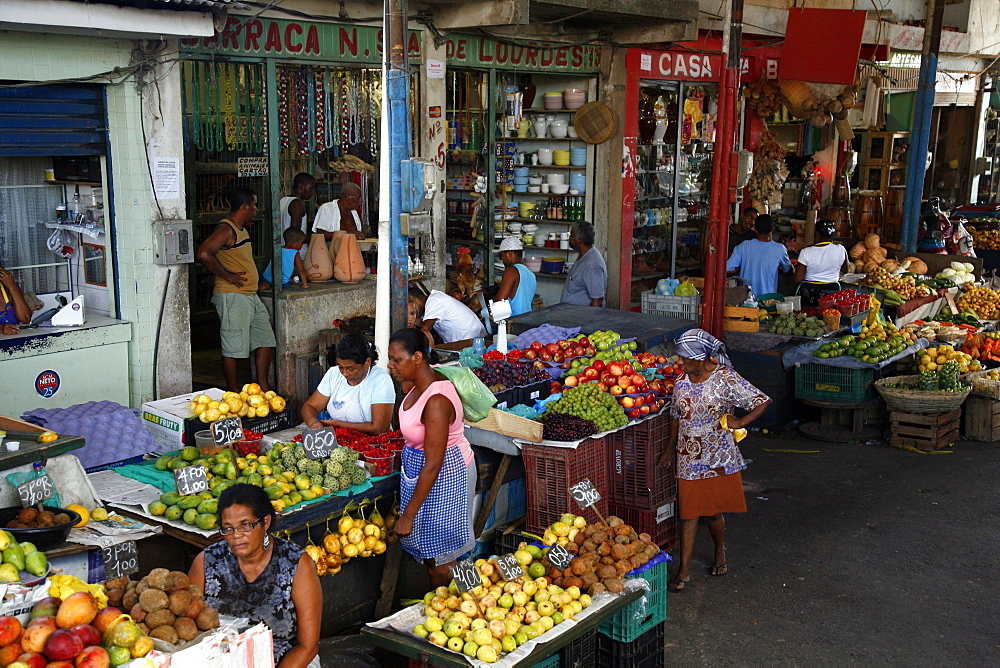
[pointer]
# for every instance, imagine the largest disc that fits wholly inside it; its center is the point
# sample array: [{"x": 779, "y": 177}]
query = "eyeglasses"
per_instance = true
[{"x": 246, "y": 527}]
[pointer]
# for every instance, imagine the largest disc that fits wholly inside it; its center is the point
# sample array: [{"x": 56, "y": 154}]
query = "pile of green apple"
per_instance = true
[{"x": 497, "y": 617}]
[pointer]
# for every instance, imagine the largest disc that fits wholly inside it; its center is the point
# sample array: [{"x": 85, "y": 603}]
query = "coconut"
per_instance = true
[
  {"x": 179, "y": 601},
  {"x": 159, "y": 618},
  {"x": 208, "y": 619},
  {"x": 153, "y": 599},
  {"x": 165, "y": 633},
  {"x": 186, "y": 628}
]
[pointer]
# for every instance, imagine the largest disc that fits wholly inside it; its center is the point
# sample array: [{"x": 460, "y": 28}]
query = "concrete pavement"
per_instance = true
[{"x": 855, "y": 555}]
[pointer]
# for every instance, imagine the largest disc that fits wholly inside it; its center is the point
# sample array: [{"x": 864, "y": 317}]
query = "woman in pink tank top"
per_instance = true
[{"x": 438, "y": 479}]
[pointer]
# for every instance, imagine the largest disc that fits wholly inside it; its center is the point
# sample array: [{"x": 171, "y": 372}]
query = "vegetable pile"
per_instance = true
[{"x": 982, "y": 301}]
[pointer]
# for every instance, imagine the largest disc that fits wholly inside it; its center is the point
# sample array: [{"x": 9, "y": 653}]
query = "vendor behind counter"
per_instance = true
[{"x": 821, "y": 265}]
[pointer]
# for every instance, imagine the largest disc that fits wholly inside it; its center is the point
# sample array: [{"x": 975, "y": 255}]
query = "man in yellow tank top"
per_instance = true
[{"x": 246, "y": 324}]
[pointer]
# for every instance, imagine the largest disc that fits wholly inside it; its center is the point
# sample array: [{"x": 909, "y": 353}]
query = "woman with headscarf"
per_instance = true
[{"x": 708, "y": 462}]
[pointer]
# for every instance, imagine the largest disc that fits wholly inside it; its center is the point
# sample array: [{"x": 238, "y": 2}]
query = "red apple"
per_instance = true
[
  {"x": 627, "y": 402},
  {"x": 591, "y": 351},
  {"x": 9, "y": 653},
  {"x": 638, "y": 379},
  {"x": 627, "y": 369},
  {"x": 563, "y": 343},
  {"x": 87, "y": 634},
  {"x": 639, "y": 400},
  {"x": 616, "y": 369},
  {"x": 93, "y": 657},
  {"x": 552, "y": 348},
  {"x": 624, "y": 381},
  {"x": 644, "y": 409},
  {"x": 10, "y": 629},
  {"x": 631, "y": 389},
  {"x": 558, "y": 357},
  {"x": 59, "y": 664},
  {"x": 617, "y": 390},
  {"x": 530, "y": 354},
  {"x": 545, "y": 356},
  {"x": 649, "y": 399},
  {"x": 661, "y": 359},
  {"x": 635, "y": 413},
  {"x": 538, "y": 364},
  {"x": 584, "y": 341},
  {"x": 555, "y": 387},
  {"x": 536, "y": 346},
  {"x": 32, "y": 660},
  {"x": 566, "y": 365},
  {"x": 660, "y": 403},
  {"x": 591, "y": 373},
  {"x": 599, "y": 365},
  {"x": 570, "y": 381}
]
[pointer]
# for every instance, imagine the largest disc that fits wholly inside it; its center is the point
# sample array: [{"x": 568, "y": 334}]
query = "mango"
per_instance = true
[
  {"x": 190, "y": 516},
  {"x": 190, "y": 453},
  {"x": 170, "y": 498},
  {"x": 209, "y": 506},
  {"x": 273, "y": 492},
  {"x": 173, "y": 513},
  {"x": 206, "y": 521},
  {"x": 158, "y": 508},
  {"x": 163, "y": 463},
  {"x": 189, "y": 502}
]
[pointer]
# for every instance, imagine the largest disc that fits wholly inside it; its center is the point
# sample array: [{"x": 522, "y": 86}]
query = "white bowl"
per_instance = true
[
  {"x": 534, "y": 189},
  {"x": 559, "y": 188},
  {"x": 556, "y": 179}
]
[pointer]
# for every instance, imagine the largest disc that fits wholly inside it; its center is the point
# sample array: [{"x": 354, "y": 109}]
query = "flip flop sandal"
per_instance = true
[{"x": 678, "y": 586}]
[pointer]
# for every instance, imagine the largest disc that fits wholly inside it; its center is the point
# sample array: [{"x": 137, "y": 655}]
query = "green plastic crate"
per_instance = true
[
  {"x": 623, "y": 627},
  {"x": 552, "y": 662},
  {"x": 821, "y": 382}
]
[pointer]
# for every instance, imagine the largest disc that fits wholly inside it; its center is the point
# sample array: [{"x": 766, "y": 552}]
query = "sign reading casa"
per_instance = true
[
  {"x": 299, "y": 39},
  {"x": 684, "y": 65}
]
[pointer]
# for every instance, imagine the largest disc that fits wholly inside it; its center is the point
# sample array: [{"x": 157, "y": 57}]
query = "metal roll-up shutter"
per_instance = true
[{"x": 52, "y": 120}]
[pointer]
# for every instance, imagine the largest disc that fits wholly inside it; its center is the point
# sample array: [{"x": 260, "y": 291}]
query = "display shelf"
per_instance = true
[
  {"x": 512, "y": 193},
  {"x": 471, "y": 242},
  {"x": 461, "y": 190},
  {"x": 568, "y": 139},
  {"x": 543, "y": 220},
  {"x": 72, "y": 183},
  {"x": 555, "y": 277},
  {"x": 567, "y": 167},
  {"x": 547, "y": 248}
]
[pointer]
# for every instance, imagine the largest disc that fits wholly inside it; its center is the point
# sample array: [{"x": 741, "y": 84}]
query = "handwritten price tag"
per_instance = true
[
  {"x": 35, "y": 490},
  {"x": 319, "y": 442},
  {"x": 466, "y": 575},
  {"x": 121, "y": 559},
  {"x": 510, "y": 568},
  {"x": 559, "y": 557},
  {"x": 584, "y": 493},
  {"x": 191, "y": 479},
  {"x": 227, "y": 431}
]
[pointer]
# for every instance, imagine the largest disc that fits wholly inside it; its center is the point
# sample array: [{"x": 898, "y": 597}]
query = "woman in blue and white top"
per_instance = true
[{"x": 355, "y": 394}]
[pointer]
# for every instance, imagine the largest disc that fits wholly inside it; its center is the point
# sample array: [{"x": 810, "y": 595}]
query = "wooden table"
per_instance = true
[{"x": 413, "y": 647}]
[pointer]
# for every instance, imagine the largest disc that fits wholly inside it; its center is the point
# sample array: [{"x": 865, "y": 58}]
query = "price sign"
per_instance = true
[
  {"x": 559, "y": 557},
  {"x": 35, "y": 490},
  {"x": 191, "y": 479},
  {"x": 319, "y": 442},
  {"x": 510, "y": 568},
  {"x": 584, "y": 493},
  {"x": 466, "y": 575},
  {"x": 121, "y": 559},
  {"x": 227, "y": 431}
]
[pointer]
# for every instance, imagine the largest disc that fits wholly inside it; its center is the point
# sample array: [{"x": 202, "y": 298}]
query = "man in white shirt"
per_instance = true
[
  {"x": 341, "y": 214},
  {"x": 450, "y": 318}
]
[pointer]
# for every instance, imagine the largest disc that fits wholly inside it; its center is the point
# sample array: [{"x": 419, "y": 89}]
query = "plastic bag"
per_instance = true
[
  {"x": 476, "y": 397},
  {"x": 638, "y": 609},
  {"x": 686, "y": 289},
  {"x": 15, "y": 479}
]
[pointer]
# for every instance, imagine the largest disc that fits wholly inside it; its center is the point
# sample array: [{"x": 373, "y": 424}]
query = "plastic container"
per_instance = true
[
  {"x": 671, "y": 305},
  {"x": 660, "y": 524},
  {"x": 646, "y": 651},
  {"x": 635, "y": 477},
  {"x": 13, "y": 446},
  {"x": 624, "y": 627},
  {"x": 550, "y": 472},
  {"x": 203, "y": 441},
  {"x": 835, "y": 384},
  {"x": 43, "y": 538},
  {"x": 381, "y": 466},
  {"x": 534, "y": 264},
  {"x": 552, "y": 265},
  {"x": 248, "y": 446}
]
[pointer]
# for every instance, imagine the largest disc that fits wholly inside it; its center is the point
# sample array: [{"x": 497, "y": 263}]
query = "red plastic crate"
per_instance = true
[
  {"x": 663, "y": 532},
  {"x": 635, "y": 477},
  {"x": 550, "y": 472}
]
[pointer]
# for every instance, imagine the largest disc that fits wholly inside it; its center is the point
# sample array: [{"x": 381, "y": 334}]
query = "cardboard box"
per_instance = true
[
  {"x": 172, "y": 427},
  {"x": 167, "y": 419}
]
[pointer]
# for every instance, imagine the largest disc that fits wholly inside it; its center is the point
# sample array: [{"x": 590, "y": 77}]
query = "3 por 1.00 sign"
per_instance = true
[{"x": 120, "y": 559}]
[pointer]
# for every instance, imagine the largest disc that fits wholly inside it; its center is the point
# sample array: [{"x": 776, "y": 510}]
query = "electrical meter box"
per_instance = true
[
  {"x": 173, "y": 242},
  {"x": 418, "y": 186}
]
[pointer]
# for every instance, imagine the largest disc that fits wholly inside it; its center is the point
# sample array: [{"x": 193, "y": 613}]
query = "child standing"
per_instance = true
[{"x": 291, "y": 259}]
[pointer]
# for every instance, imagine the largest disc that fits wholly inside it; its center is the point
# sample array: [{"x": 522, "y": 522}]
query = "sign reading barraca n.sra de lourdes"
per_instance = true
[{"x": 333, "y": 42}]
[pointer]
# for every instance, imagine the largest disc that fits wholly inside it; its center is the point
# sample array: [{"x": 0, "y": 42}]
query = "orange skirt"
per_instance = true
[{"x": 711, "y": 496}]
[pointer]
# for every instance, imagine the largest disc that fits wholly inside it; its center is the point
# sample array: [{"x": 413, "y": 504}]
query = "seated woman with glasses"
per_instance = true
[{"x": 263, "y": 578}]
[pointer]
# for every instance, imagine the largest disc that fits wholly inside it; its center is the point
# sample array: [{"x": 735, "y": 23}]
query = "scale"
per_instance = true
[{"x": 499, "y": 312}]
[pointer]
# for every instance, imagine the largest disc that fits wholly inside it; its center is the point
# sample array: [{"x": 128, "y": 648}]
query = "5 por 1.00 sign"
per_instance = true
[{"x": 35, "y": 490}]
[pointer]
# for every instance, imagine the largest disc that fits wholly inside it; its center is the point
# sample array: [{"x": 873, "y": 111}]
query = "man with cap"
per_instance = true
[
  {"x": 760, "y": 259},
  {"x": 518, "y": 282}
]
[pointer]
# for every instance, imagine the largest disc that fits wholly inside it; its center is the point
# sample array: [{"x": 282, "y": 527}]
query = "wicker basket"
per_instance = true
[
  {"x": 982, "y": 386},
  {"x": 918, "y": 401}
]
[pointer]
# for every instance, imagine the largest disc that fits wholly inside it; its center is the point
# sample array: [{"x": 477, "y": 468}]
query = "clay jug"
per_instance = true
[
  {"x": 334, "y": 243},
  {"x": 319, "y": 266},
  {"x": 349, "y": 267}
]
